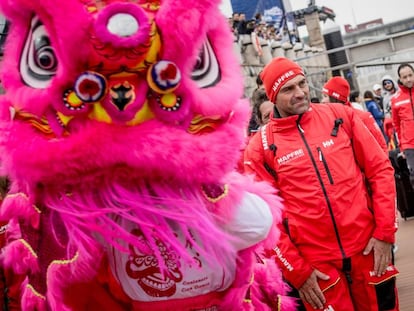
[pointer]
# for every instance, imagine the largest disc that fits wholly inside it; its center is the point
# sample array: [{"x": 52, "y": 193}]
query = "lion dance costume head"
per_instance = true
[{"x": 121, "y": 125}]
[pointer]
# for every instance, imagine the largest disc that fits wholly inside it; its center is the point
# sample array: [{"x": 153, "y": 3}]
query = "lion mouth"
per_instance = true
[{"x": 156, "y": 286}]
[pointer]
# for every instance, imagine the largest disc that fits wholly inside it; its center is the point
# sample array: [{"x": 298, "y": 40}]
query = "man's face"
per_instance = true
[
  {"x": 325, "y": 98},
  {"x": 293, "y": 97},
  {"x": 388, "y": 85},
  {"x": 377, "y": 92},
  {"x": 407, "y": 77}
]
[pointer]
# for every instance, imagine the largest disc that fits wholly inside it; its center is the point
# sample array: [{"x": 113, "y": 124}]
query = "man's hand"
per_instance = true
[
  {"x": 382, "y": 255},
  {"x": 311, "y": 292}
]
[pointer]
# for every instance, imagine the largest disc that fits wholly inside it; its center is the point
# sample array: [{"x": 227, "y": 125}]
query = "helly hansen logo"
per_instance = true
[
  {"x": 290, "y": 156},
  {"x": 327, "y": 143},
  {"x": 335, "y": 95},
  {"x": 329, "y": 308}
]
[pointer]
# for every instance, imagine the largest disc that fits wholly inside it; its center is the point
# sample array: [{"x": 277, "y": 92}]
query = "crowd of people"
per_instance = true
[
  {"x": 376, "y": 101},
  {"x": 257, "y": 41},
  {"x": 240, "y": 26}
]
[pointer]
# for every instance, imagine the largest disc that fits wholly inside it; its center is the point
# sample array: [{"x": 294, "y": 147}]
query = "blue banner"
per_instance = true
[{"x": 271, "y": 10}]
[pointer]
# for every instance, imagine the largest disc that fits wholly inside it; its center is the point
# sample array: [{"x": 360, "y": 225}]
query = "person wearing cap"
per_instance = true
[
  {"x": 377, "y": 89},
  {"x": 390, "y": 88},
  {"x": 337, "y": 90},
  {"x": 335, "y": 246},
  {"x": 402, "y": 108}
]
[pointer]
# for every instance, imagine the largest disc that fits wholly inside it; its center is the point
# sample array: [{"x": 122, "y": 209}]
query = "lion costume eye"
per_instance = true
[
  {"x": 38, "y": 62},
  {"x": 44, "y": 56},
  {"x": 206, "y": 72}
]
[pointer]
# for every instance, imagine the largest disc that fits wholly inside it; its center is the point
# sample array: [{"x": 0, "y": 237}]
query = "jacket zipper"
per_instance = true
[
  {"x": 328, "y": 202},
  {"x": 323, "y": 160}
]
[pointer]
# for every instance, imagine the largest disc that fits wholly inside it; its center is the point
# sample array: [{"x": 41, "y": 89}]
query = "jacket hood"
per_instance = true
[{"x": 388, "y": 77}]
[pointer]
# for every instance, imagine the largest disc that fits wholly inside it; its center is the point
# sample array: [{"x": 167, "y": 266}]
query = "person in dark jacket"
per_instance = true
[
  {"x": 375, "y": 109},
  {"x": 377, "y": 89}
]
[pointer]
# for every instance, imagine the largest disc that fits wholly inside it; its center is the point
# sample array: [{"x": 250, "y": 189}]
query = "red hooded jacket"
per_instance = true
[
  {"x": 372, "y": 125},
  {"x": 327, "y": 215},
  {"x": 402, "y": 110}
]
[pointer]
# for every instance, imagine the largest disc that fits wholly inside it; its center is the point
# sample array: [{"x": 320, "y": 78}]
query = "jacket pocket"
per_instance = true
[
  {"x": 334, "y": 278},
  {"x": 384, "y": 286}
]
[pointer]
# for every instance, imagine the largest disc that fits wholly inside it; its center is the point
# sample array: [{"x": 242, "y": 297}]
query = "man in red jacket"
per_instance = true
[
  {"x": 402, "y": 112},
  {"x": 337, "y": 90},
  {"x": 335, "y": 248}
]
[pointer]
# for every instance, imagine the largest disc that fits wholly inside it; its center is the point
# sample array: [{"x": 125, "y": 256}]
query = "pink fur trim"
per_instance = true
[
  {"x": 19, "y": 205},
  {"x": 27, "y": 259},
  {"x": 259, "y": 287},
  {"x": 268, "y": 286},
  {"x": 234, "y": 299},
  {"x": 141, "y": 151},
  {"x": 84, "y": 212},
  {"x": 59, "y": 277},
  {"x": 31, "y": 300}
]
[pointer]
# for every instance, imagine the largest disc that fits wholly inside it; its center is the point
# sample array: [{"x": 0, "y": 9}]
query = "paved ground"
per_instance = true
[{"x": 404, "y": 260}]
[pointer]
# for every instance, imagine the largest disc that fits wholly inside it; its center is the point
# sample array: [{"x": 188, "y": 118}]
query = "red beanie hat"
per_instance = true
[
  {"x": 337, "y": 87},
  {"x": 277, "y": 73}
]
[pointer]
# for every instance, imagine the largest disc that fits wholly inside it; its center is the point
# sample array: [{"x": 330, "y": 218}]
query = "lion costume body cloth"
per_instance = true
[{"x": 120, "y": 128}]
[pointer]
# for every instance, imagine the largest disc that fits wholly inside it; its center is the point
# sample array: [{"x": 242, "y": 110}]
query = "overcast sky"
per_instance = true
[
  {"x": 355, "y": 12},
  {"x": 360, "y": 11}
]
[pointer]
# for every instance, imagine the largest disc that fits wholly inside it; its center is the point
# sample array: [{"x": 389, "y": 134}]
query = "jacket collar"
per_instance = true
[
  {"x": 279, "y": 124},
  {"x": 406, "y": 89}
]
